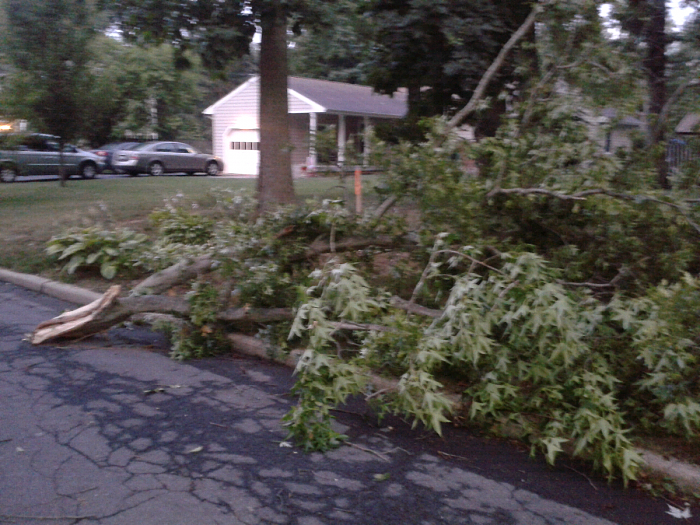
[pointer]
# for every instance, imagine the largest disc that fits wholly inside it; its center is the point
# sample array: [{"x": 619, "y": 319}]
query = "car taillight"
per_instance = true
[
  {"x": 133, "y": 156},
  {"x": 101, "y": 153}
]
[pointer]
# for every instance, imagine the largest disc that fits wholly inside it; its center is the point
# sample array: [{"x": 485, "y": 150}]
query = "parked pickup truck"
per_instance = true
[{"x": 38, "y": 154}]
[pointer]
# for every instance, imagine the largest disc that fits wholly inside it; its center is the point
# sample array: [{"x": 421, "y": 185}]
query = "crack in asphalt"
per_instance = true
[{"x": 118, "y": 435}]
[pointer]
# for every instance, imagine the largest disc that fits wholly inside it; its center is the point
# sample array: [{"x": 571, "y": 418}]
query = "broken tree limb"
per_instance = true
[
  {"x": 361, "y": 327},
  {"x": 109, "y": 311},
  {"x": 175, "y": 274},
  {"x": 583, "y": 195},
  {"x": 254, "y": 347},
  {"x": 105, "y": 313},
  {"x": 353, "y": 243},
  {"x": 413, "y": 308},
  {"x": 255, "y": 315},
  {"x": 69, "y": 322},
  {"x": 385, "y": 206},
  {"x": 493, "y": 69}
]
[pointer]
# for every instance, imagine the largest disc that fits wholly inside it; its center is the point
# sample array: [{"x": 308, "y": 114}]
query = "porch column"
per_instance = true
[
  {"x": 313, "y": 126},
  {"x": 341, "y": 139},
  {"x": 366, "y": 150}
]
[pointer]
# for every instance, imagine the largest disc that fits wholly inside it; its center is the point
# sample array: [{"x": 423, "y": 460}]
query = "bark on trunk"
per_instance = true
[
  {"x": 275, "y": 184},
  {"x": 655, "y": 66}
]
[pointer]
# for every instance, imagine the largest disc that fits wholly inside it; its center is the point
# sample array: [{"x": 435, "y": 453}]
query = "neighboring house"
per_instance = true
[
  {"x": 346, "y": 110},
  {"x": 689, "y": 125},
  {"x": 684, "y": 147},
  {"x": 613, "y": 132}
]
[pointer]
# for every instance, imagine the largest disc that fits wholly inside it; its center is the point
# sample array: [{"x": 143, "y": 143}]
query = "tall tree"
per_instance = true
[
  {"x": 221, "y": 30},
  {"x": 339, "y": 49},
  {"x": 644, "y": 24},
  {"x": 275, "y": 178},
  {"x": 47, "y": 43},
  {"x": 684, "y": 69},
  {"x": 438, "y": 49},
  {"x": 152, "y": 96}
]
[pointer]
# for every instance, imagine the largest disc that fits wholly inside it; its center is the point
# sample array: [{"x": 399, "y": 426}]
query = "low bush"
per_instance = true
[{"x": 93, "y": 248}]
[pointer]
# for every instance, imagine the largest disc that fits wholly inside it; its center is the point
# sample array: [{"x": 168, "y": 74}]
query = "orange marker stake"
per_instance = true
[{"x": 358, "y": 191}]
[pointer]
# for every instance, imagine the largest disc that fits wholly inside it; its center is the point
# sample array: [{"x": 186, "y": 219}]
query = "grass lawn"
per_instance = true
[{"x": 31, "y": 213}]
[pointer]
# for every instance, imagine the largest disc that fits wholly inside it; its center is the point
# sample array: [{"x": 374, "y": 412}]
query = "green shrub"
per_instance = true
[
  {"x": 203, "y": 336},
  {"x": 178, "y": 226},
  {"x": 110, "y": 251}
]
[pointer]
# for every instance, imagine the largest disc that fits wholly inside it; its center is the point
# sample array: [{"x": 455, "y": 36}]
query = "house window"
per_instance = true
[{"x": 248, "y": 146}]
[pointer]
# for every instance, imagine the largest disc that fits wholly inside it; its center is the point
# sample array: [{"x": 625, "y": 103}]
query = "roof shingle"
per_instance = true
[{"x": 338, "y": 97}]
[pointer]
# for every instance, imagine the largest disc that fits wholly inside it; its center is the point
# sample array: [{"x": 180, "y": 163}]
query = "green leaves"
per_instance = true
[{"x": 110, "y": 251}]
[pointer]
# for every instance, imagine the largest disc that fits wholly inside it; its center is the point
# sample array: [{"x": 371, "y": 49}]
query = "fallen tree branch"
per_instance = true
[
  {"x": 109, "y": 311},
  {"x": 254, "y": 347},
  {"x": 536, "y": 191},
  {"x": 413, "y": 308},
  {"x": 354, "y": 243},
  {"x": 74, "y": 320},
  {"x": 364, "y": 327},
  {"x": 582, "y": 195},
  {"x": 255, "y": 315},
  {"x": 493, "y": 69},
  {"x": 175, "y": 274},
  {"x": 385, "y": 206},
  {"x": 613, "y": 282}
]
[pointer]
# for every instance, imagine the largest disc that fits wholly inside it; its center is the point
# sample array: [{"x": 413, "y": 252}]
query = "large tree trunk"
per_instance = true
[
  {"x": 275, "y": 185},
  {"x": 655, "y": 66}
]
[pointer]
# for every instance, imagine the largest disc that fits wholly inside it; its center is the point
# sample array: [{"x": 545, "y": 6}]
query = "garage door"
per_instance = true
[{"x": 242, "y": 152}]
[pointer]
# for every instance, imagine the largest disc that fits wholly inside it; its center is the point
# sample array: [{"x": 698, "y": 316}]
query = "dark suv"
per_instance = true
[{"x": 38, "y": 154}]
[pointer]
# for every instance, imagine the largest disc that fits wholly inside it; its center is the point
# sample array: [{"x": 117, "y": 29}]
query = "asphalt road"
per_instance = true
[{"x": 111, "y": 431}]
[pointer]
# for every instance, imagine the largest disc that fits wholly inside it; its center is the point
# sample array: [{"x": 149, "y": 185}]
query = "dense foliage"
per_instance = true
[
  {"x": 49, "y": 67},
  {"x": 537, "y": 285}
]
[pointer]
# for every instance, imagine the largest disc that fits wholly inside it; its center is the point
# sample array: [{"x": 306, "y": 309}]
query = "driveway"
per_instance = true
[{"x": 111, "y": 431}]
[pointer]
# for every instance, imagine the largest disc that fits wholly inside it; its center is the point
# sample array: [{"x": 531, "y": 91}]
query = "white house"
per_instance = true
[{"x": 314, "y": 105}]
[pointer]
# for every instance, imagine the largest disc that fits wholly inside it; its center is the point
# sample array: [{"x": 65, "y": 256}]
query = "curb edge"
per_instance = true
[{"x": 685, "y": 475}]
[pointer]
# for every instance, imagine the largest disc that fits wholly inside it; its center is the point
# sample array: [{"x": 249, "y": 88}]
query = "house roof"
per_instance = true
[
  {"x": 689, "y": 125},
  {"x": 338, "y": 97},
  {"x": 624, "y": 122},
  {"x": 325, "y": 96}
]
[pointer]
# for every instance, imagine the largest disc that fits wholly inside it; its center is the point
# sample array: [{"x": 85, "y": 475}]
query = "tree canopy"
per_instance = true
[
  {"x": 49, "y": 79},
  {"x": 438, "y": 50},
  {"x": 339, "y": 49},
  {"x": 220, "y": 31}
]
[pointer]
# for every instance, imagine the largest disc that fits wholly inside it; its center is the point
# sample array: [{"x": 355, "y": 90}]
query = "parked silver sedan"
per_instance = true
[{"x": 158, "y": 158}]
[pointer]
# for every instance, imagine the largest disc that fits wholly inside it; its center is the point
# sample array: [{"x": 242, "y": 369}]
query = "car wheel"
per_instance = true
[
  {"x": 212, "y": 169},
  {"x": 88, "y": 170},
  {"x": 156, "y": 169},
  {"x": 8, "y": 174}
]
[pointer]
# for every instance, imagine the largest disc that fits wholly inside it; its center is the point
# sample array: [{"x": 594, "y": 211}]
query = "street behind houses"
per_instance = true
[{"x": 111, "y": 431}]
